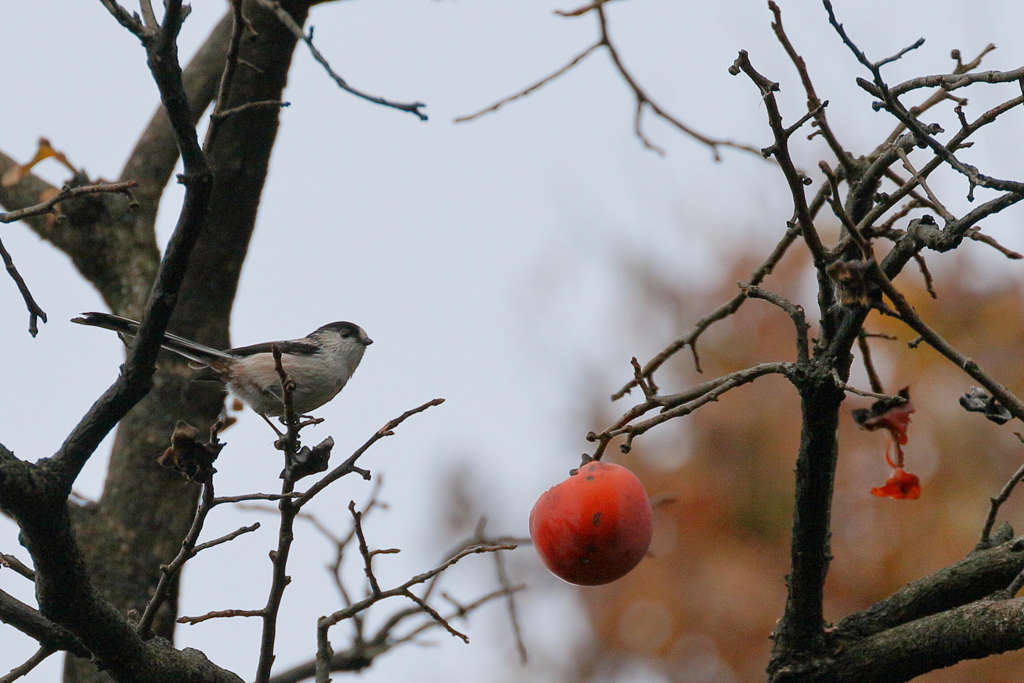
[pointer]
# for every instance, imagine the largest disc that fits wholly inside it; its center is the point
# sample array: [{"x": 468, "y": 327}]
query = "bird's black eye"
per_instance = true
[{"x": 346, "y": 335}]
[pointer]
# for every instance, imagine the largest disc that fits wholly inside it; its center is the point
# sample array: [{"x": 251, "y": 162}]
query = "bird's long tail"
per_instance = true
[{"x": 128, "y": 328}]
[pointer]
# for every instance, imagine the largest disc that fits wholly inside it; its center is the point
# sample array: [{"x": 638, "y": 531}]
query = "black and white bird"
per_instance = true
[{"x": 319, "y": 364}]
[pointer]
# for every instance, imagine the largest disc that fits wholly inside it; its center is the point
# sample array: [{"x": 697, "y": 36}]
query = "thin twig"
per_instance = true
[
  {"x": 461, "y": 611},
  {"x": 340, "y": 545},
  {"x": 780, "y": 149},
  {"x": 1014, "y": 587},
  {"x": 148, "y": 15},
  {"x": 678, "y": 405},
  {"x": 723, "y": 311},
  {"x": 929, "y": 282},
  {"x": 910, "y": 317},
  {"x": 221, "y": 614},
  {"x": 35, "y": 313},
  {"x": 869, "y": 365},
  {"x": 918, "y": 201},
  {"x": 510, "y": 601},
  {"x": 643, "y": 100},
  {"x": 288, "y": 507},
  {"x": 324, "y": 656},
  {"x": 290, "y": 24},
  {"x": 835, "y": 201},
  {"x": 227, "y": 77},
  {"x": 795, "y": 312},
  {"x": 530, "y": 88},
  {"x": 290, "y": 442},
  {"x": 916, "y": 44},
  {"x": 436, "y": 616},
  {"x": 32, "y": 662},
  {"x": 226, "y": 537},
  {"x": 248, "y": 106},
  {"x": 404, "y": 588},
  {"x": 878, "y": 395},
  {"x": 958, "y": 80},
  {"x": 997, "y": 502},
  {"x": 254, "y": 496},
  {"x": 364, "y": 549},
  {"x": 814, "y": 105},
  {"x": 19, "y": 567},
  {"x": 976, "y": 235},
  {"x": 129, "y": 21},
  {"x": 580, "y": 11},
  {"x": 348, "y": 466},
  {"x": 66, "y": 193},
  {"x": 935, "y": 203},
  {"x": 169, "y": 571}
]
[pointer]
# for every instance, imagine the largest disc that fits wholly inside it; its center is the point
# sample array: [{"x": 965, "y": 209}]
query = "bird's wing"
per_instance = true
[{"x": 295, "y": 347}]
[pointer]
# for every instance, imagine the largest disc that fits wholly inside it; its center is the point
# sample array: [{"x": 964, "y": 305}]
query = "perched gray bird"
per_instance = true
[{"x": 319, "y": 364}]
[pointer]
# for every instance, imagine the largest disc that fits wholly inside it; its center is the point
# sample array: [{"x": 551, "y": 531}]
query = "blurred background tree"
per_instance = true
[{"x": 699, "y": 608}]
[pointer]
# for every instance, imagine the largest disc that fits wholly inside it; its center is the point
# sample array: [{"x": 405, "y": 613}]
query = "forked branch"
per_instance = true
[{"x": 643, "y": 100}]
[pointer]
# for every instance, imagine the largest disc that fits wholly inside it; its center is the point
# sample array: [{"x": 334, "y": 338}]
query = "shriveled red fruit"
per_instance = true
[
  {"x": 901, "y": 485},
  {"x": 594, "y": 527}
]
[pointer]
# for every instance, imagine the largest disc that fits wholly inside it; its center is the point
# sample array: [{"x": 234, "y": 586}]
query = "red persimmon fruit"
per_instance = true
[{"x": 595, "y": 526}]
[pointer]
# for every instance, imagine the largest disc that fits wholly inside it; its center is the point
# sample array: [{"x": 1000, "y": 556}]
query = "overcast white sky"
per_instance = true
[{"x": 482, "y": 258}]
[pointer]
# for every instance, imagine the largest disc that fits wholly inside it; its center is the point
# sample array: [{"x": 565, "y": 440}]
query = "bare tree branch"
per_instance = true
[
  {"x": 35, "y": 660},
  {"x": 975, "y": 630},
  {"x": 66, "y": 193},
  {"x": 33, "y": 624},
  {"x": 530, "y": 88},
  {"x": 910, "y": 317},
  {"x": 643, "y": 100},
  {"x": 348, "y": 466},
  {"x": 677, "y": 405},
  {"x": 289, "y": 23},
  {"x": 17, "y": 565},
  {"x": 980, "y": 574},
  {"x": 997, "y": 502},
  {"x": 35, "y": 313}
]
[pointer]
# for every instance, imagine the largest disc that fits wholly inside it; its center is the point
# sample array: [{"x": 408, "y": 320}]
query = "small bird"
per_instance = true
[{"x": 319, "y": 364}]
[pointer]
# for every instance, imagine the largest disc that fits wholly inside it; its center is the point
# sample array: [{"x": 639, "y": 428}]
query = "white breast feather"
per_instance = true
[{"x": 316, "y": 382}]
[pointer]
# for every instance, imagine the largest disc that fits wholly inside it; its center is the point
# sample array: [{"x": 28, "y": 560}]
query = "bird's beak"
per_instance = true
[{"x": 367, "y": 341}]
